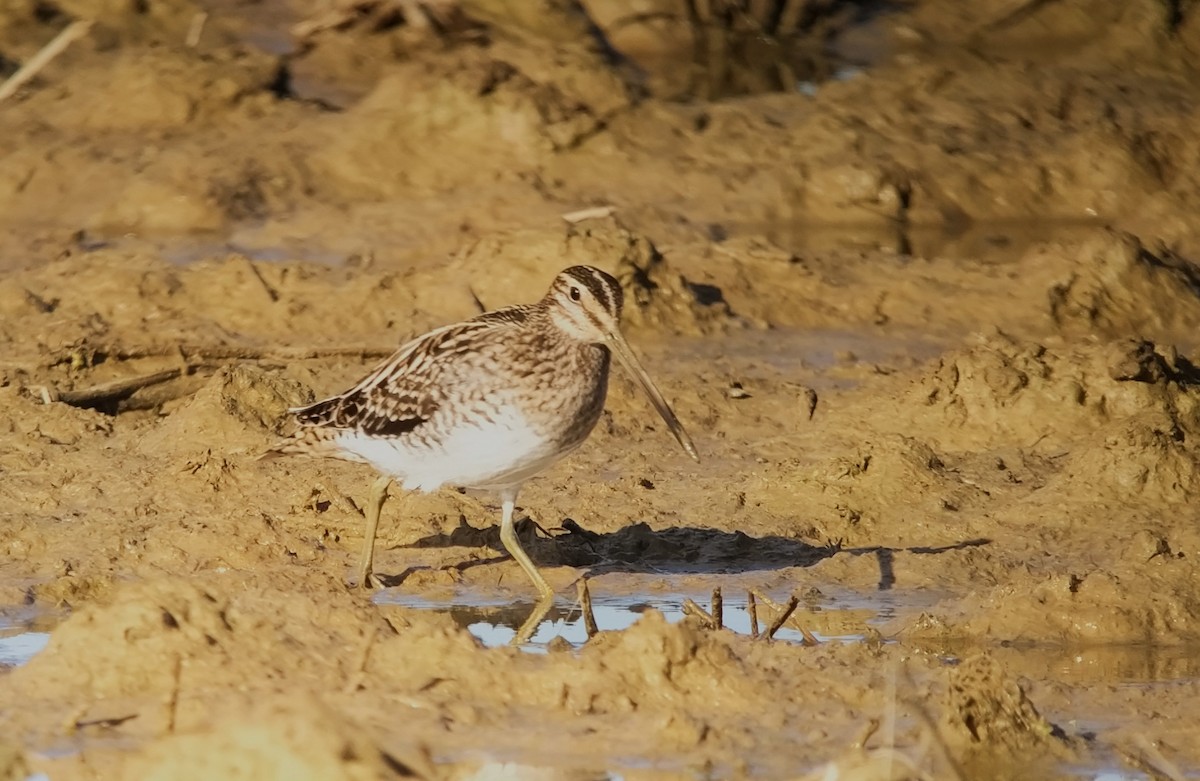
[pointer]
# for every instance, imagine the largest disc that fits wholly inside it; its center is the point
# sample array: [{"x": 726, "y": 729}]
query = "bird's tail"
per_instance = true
[{"x": 304, "y": 441}]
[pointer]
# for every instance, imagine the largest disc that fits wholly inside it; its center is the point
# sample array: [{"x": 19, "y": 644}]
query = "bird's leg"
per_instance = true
[
  {"x": 379, "y": 492},
  {"x": 508, "y": 536}
]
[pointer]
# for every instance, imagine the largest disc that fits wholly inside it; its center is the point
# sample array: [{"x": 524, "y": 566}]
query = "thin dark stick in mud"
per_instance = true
[
  {"x": 752, "y": 609},
  {"x": 782, "y": 618},
  {"x": 112, "y": 391},
  {"x": 718, "y": 608},
  {"x": 173, "y": 700},
  {"x": 233, "y": 352},
  {"x": 585, "y": 604},
  {"x": 809, "y": 638},
  {"x": 692, "y": 609},
  {"x": 870, "y": 729},
  {"x": 272, "y": 293},
  {"x": 107, "y": 722}
]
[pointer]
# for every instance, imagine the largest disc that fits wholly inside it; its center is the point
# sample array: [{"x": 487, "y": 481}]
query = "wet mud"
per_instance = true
[{"x": 921, "y": 282}]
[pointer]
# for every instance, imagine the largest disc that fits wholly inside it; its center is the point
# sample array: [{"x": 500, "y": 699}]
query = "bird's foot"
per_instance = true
[{"x": 370, "y": 582}]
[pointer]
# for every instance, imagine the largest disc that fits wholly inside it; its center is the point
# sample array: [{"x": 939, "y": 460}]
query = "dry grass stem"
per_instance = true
[
  {"x": 692, "y": 609},
  {"x": 782, "y": 618},
  {"x": 868, "y": 731},
  {"x": 57, "y": 45},
  {"x": 196, "y": 29},
  {"x": 590, "y": 213},
  {"x": 227, "y": 352},
  {"x": 111, "y": 391},
  {"x": 585, "y": 604},
  {"x": 173, "y": 700}
]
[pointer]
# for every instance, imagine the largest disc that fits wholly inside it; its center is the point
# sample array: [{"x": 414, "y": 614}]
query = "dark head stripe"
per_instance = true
[{"x": 602, "y": 286}]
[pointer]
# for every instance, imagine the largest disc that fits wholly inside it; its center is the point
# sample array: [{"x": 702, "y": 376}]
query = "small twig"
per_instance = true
[
  {"x": 786, "y": 611},
  {"x": 585, "y": 604},
  {"x": 771, "y": 604},
  {"x": 590, "y": 213},
  {"x": 810, "y": 401},
  {"x": 112, "y": 391},
  {"x": 173, "y": 701},
  {"x": 782, "y": 618},
  {"x": 692, "y": 609},
  {"x": 107, "y": 722},
  {"x": 718, "y": 608},
  {"x": 290, "y": 353},
  {"x": 752, "y": 609},
  {"x": 272, "y": 294},
  {"x": 240, "y": 353},
  {"x": 477, "y": 300},
  {"x": 871, "y": 728},
  {"x": 195, "y": 29},
  {"x": 71, "y": 33}
]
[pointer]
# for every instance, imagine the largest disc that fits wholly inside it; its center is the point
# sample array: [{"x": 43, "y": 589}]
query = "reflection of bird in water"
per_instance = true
[{"x": 487, "y": 403}]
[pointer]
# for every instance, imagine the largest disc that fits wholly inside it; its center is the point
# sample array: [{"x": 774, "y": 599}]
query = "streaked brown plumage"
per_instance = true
[{"x": 486, "y": 403}]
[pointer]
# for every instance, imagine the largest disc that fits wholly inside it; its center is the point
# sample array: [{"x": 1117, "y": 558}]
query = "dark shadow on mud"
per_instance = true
[
  {"x": 634, "y": 549},
  {"x": 678, "y": 550},
  {"x": 638, "y": 548},
  {"x": 887, "y": 556}
]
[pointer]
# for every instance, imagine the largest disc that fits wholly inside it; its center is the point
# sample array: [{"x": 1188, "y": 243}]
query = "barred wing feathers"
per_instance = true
[{"x": 405, "y": 391}]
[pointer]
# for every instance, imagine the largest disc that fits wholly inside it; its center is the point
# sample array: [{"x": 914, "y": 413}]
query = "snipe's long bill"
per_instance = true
[{"x": 486, "y": 403}]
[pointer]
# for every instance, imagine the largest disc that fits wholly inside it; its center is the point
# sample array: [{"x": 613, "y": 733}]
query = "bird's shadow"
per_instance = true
[{"x": 637, "y": 548}]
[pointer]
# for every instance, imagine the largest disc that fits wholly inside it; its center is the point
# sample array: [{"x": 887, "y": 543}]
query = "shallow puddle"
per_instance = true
[
  {"x": 1136, "y": 666},
  {"x": 495, "y": 622},
  {"x": 22, "y": 636}
]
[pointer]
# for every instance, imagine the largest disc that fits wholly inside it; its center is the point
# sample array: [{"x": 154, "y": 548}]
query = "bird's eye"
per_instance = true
[{"x": 574, "y": 294}]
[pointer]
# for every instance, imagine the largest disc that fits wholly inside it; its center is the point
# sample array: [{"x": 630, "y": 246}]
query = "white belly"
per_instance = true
[{"x": 491, "y": 454}]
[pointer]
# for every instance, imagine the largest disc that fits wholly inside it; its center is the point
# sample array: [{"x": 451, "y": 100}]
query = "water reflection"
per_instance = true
[
  {"x": 23, "y": 633},
  {"x": 497, "y": 623}
]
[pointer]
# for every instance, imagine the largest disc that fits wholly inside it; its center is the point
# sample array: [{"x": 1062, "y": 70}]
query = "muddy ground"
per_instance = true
[{"x": 919, "y": 280}]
